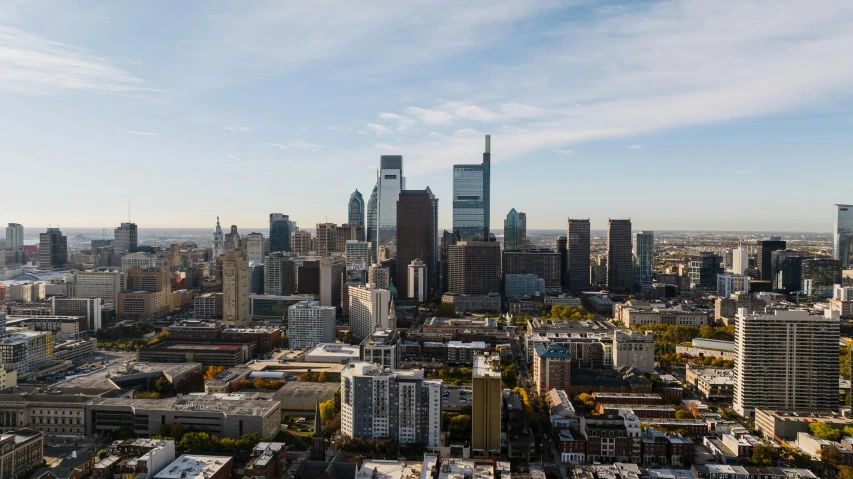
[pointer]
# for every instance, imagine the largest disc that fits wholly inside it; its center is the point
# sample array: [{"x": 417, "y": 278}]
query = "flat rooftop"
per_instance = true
[
  {"x": 168, "y": 345},
  {"x": 101, "y": 378},
  {"x": 300, "y": 389},
  {"x": 344, "y": 351},
  {"x": 233, "y": 403},
  {"x": 192, "y": 466}
]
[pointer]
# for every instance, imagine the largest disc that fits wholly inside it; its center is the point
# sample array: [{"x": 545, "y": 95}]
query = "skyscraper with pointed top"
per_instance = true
[
  {"x": 355, "y": 210},
  {"x": 472, "y": 198}
]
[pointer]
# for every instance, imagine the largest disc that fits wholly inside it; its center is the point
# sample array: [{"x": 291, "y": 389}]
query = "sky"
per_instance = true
[{"x": 681, "y": 115}]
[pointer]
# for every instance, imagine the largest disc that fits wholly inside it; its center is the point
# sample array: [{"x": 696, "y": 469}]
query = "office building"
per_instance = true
[
  {"x": 371, "y": 213},
  {"x": 235, "y": 288},
  {"x": 474, "y": 267},
  {"x": 381, "y": 347},
  {"x": 309, "y": 324},
  {"x": 389, "y": 185},
  {"x": 472, "y": 198},
  {"x": 357, "y": 256},
  {"x": 90, "y": 308},
  {"x": 740, "y": 260},
  {"x": 486, "y": 406},
  {"x": 561, "y": 245},
  {"x": 633, "y": 350},
  {"x": 787, "y": 270},
  {"x": 396, "y": 404},
  {"x": 577, "y": 254},
  {"x": 355, "y": 210},
  {"x": 126, "y": 238},
  {"x": 53, "y": 249},
  {"x": 207, "y": 306},
  {"x": 279, "y": 274},
  {"x": 820, "y": 276},
  {"x": 322, "y": 279},
  {"x": 255, "y": 247},
  {"x": 515, "y": 232},
  {"x": 272, "y": 309},
  {"x": 542, "y": 262},
  {"x": 728, "y": 284},
  {"x": 644, "y": 257},
  {"x": 25, "y": 351},
  {"x": 326, "y": 240},
  {"x": 14, "y": 237},
  {"x": 256, "y": 277},
  {"x": 447, "y": 239},
  {"x": 842, "y": 236},
  {"x": 520, "y": 285},
  {"x": 369, "y": 309},
  {"x": 416, "y": 281},
  {"x": 704, "y": 269},
  {"x": 233, "y": 239},
  {"x": 416, "y": 236},
  {"x": 620, "y": 261},
  {"x": 347, "y": 232},
  {"x": 551, "y": 367},
  {"x": 280, "y": 230},
  {"x": 764, "y": 260},
  {"x": 150, "y": 279},
  {"x": 22, "y": 453},
  {"x": 786, "y": 360},
  {"x": 95, "y": 284},
  {"x": 301, "y": 242},
  {"x": 380, "y": 276}
]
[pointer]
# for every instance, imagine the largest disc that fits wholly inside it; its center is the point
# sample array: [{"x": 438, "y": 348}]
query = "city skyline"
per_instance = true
[{"x": 590, "y": 96}]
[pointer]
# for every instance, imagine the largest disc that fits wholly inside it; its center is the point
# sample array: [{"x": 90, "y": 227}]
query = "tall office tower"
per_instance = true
[
  {"x": 218, "y": 240},
  {"x": 577, "y": 252},
  {"x": 254, "y": 243},
  {"x": 347, "y": 232},
  {"x": 326, "y": 241},
  {"x": 355, "y": 210},
  {"x": 280, "y": 229},
  {"x": 416, "y": 281},
  {"x": 561, "y": 245},
  {"x": 620, "y": 264},
  {"x": 235, "y": 288},
  {"x": 786, "y": 269},
  {"x": 301, "y": 242},
  {"x": 415, "y": 236},
  {"x": 397, "y": 404},
  {"x": 279, "y": 274},
  {"x": 391, "y": 183},
  {"x": 309, "y": 324},
  {"x": 704, "y": 269},
  {"x": 379, "y": 276},
  {"x": 357, "y": 255},
  {"x": 786, "y": 360},
  {"x": 740, "y": 260},
  {"x": 369, "y": 309},
  {"x": 474, "y": 267},
  {"x": 90, "y": 308},
  {"x": 232, "y": 239},
  {"x": 728, "y": 284},
  {"x": 126, "y": 238},
  {"x": 447, "y": 239},
  {"x": 542, "y": 262},
  {"x": 764, "y": 261},
  {"x": 472, "y": 197},
  {"x": 486, "y": 406},
  {"x": 372, "y": 205},
  {"x": 256, "y": 277},
  {"x": 14, "y": 237},
  {"x": 820, "y": 276},
  {"x": 322, "y": 278},
  {"x": 644, "y": 257},
  {"x": 842, "y": 236},
  {"x": 53, "y": 249},
  {"x": 515, "y": 234},
  {"x": 96, "y": 284}
]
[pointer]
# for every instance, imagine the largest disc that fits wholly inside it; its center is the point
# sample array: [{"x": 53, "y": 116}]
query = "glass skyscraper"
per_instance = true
[
  {"x": 644, "y": 255},
  {"x": 372, "y": 204},
  {"x": 280, "y": 229},
  {"x": 355, "y": 209},
  {"x": 514, "y": 231},
  {"x": 391, "y": 183},
  {"x": 842, "y": 236},
  {"x": 472, "y": 197}
]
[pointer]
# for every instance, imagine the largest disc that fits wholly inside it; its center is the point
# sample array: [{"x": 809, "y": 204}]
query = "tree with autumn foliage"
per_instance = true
[{"x": 213, "y": 371}]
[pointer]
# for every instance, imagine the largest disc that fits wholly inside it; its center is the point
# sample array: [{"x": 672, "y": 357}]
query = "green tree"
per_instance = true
[
  {"x": 682, "y": 414},
  {"x": 764, "y": 455},
  {"x": 509, "y": 375},
  {"x": 445, "y": 310},
  {"x": 177, "y": 431},
  {"x": 587, "y": 400},
  {"x": 327, "y": 411},
  {"x": 102, "y": 453},
  {"x": 126, "y": 432},
  {"x": 164, "y": 430},
  {"x": 822, "y": 430}
]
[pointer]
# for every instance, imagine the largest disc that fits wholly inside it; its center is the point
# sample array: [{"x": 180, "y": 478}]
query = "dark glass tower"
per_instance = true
[
  {"x": 279, "y": 232},
  {"x": 620, "y": 258},
  {"x": 472, "y": 198},
  {"x": 53, "y": 249},
  {"x": 372, "y": 203},
  {"x": 577, "y": 254},
  {"x": 416, "y": 235},
  {"x": 765, "y": 257}
]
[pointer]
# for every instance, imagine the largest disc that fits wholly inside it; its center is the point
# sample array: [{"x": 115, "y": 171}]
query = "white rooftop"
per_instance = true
[{"x": 191, "y": 466}]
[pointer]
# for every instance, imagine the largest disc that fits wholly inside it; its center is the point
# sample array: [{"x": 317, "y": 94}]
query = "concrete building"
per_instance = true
[
  {"x": 26, "y": 351},
  {"x": 389, "y": 184},
  {"x": 715, "y": 384},
  {"x": 322, "y": 279},
  {"x": 786, "y": 360},
  {"x": 347, "y": 232},
  {"x": 369, "y": 309},
  {"x": 551, "y": 367},
  {"x": 486, "y": 410},
  {"x": 474, "y": 303},
  {"x": 620, "y": 262},
  {"x": 14, "y": 237},
  {"x": 279, "y": 274},
  {"x": 644, "y": 256},
  {"x": 302, "y": 242},
  {"x": 255, "y": 247},
  {"x": 357, "y": 256},
  {"x": 326, "y": 241},
  {"x": 88, "y": 307},
  {"x": 273, "y": 309},
  {"x": 126, "y": 238},
  {"x": 708, "y": 348},
  {"x": 416, "y": 280},
  {"x": 397, "y": 404},
  {"x": 380, "y": 276},
  {"x": 578, "y": 254},
  {"x": 194, "y": 466},
  {"x": 704, "y": 269},
  {"x": 474, "y": 268},
  {"x": 472, "y": 198},
  {"x": 334, "y": 353},
  {"x": 764, "y": 259},
  {"x": 728, "y": 284},
  {"x": 207, "y": 306},
  {"x": 740, "y": 260},
  {"x": 21, "y": 453},
  {"x": 842, "y": 236},
  {"x": 520, "y": 285},
  {"x": 235, "y": 288},
  {"x": 543, "y": 262},
  {"x": 53, "y": 249},
  {"x": 96, "y": 284},
  {"x": 632, "y": 349},
  {"x": 638, "y": 313},
  {"x": 209, "y": 353},
  {"x": 309, "y": 324},
  {"x": 74, "y": 349},
  {"x": 381, "y": 347}
]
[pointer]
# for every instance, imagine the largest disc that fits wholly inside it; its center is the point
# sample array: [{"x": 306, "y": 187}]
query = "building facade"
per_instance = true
[
  {"x": 728, "y": 284},
  {"x": 279, "y": 274},
  {"x": 416, "y": 281},
  {"x": 14, "y": 237},
  {"x": 235, "y": 288},
  {"x": 389, "y": 185},
  {"x": 577, "y": 254},
  {"x": 280, "y": 230},
  {"x": 309, "y": 324},
  {"x": 472, "y": 198},
  {"x": 126, "y": 238},
  {"x": 842, "y": 236},
  {"x": 644, "y": 257},
  {"x": 355, "y": 210},
  {"x": 369, "y": 309},
  {"x": 486, "y": 407},
  {"x": 764, "y": 259},
  {"x": 53, "y": 249},
  {"x": 416, "y": 236},
  {"x": 474, "y": 267},
  {"x": 515, "y": 233},
  {"x": 620, "y": 262}
]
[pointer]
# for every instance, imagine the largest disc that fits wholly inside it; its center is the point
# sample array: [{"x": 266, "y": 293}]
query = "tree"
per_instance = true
[
  {"x": 213, "y": 371},
  {"x": 830, "y": 456},
  {"x": 102, "y": 454},
  {"x": 587, "y": 400},
  {"x": 682, "y": 414},
  {"x": 822, "y": 430},
  {"x": 845, "y": 472},
  {"x": 764, "y": 455},
  {"x": 466, "y": 410},
  {"x": 164, "y": 430},
  {"x": 164, "y": 387},
  {"x": 323, "y": 377},
  {"x": 446, "y": 310},
  {"x": 177, "y": 431},
  {"x": 151, "y": 395},
  {"x": 509, "y": 375},
  {"x": 327, "y": 411},
  {"x": 126, "y": 432}
]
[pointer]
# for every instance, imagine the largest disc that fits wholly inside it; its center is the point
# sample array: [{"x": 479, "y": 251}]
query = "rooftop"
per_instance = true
[
  {"x": 191, "y": 466},
  {"x": 233, "y": 403},
  {"x": 344, "y": 351},
  {"x": 105, "y": 378},
  {"x": 484, "y": 365}
]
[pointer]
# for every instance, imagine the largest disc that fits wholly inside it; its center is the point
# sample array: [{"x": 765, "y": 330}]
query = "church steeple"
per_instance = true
[{"x": 318, "y": 442}]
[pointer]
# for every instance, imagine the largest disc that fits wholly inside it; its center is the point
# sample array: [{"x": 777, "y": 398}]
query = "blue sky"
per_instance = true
[{"x": 681, "y": 115}]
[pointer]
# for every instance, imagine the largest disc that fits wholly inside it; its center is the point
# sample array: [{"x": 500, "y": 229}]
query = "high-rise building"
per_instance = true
[
  {"x": 218, "y": 240},
  {"x": 704, "y": 269},
  {"x": 515, "y": 233},
  {"x": 740, "y": 260},
  {"x": 397, "y": 404},
  {"x": 786, "y": 269},
  {"x": 326, "y": 241},
  {"x": 369, "y": 309},
  {"x": 347, "y": 232},
  {"x": 447, "y": 239},
  {"x": 644, "y": 257},
  {"x": 309, "y": 324},
  {"x": 416, "y": 281},
  {"x": 416, "y": 236},
  {"x": 280, "y": 230},
  {"x": 14, "y": 237},
  {"x": 577, "y": 253},
  {"x": 620, "y": 263},
  {"x": 301, "y": 242},
  {"x": 474, "y": 267},
  {"x": 90, "y": 308},
  {"x": 764, "y": 261},
  {"x": 379, "y": 275},
  {"x": 235, "y": 288},
  {"x": 355, "y": 210},
  {"x": 786, "y": 360},
  {"x": 232, "y": 239},
  {"x": 561, "y": 245},
  {"x": 820, "y": 275},
  {"x": 842, "y": 236},
  {"x": 486, "y": 406},
  {"x": 95, "y": 284},
  {"x": 357, "y": 256},
  {"x": 542, "y": 262},
  {"x": 256, "y": 277},
  {"x": 728, "y": 284},
  {"x": 390, "y": 183},
  {"x": 372, "y": 215},
  {"x": 255, "y": 247},
  {"x": 279, "y": 274},
  {"x": 472, "y": 197},
  {"x": 126, "y": 238},
  {"x": 53, "y": 249},
  {"x": 322, "y": 278}
]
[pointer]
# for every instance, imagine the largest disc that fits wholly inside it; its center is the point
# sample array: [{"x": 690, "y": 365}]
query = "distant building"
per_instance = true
[
  {"x": 126, "y": 238},
  {"x": 820, "y": 276},
  {"x": 389, "y": 185},
  {"x": 644, "y": 256},
  {"x": 380, "y": 276},
  {"x": 551, "y": 367},
  {"x": 842, "y": 236},
  {"x": 53, "y": 249},
  {"x": 235, "y": 288},
  {"x": 704, "y": 269},
  {"x": 96, "y": 284},
  {"x": 279, "y": 274},
  {"x": 369, "y": 309},
  {"x": 309, "y": 324},
  {"x": 578, "y": 254},
  {"x": 193, "y": 466},
  {"x": 301, "y": 242},
  {"x": 740, "y": 260},
  {"x": 355, "y": 210},
  {"x": 272, "y": 308},
  {"x": 25, "y": 351},
  {"x": 474, "y": 268},
  {"x": 416, "y": 237},
  {"x": 515, "y": 234},
  {"x": 520, "y": 285},
  {"x": 728, "y": 284},
  {"x": 472, "y": 198},
  {"x": 15, "y": 237},
  {"x": 322, "y": 278},
  {"x": 280, "y": 230},
  {"x": 764, "y": 261},
  {"x": 254, "y": 244},
  {"x": 620, "y": 264},
  {"x": 207, "y": 306},
  {"x": 634, "y": 350},
  {"x": 88, "y": 307},
  {"x": 542, "y": 262},
  {"x": 381, "y": 347},
  {"x": 22, "y": 453}
]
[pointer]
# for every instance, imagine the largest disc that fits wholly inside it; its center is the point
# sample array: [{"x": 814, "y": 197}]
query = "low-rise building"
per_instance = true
[
  {"x": 560, "y": 404},
  {"x": 332, "y": 353},
  {"x": 214, "y": 354},
  {"x": 74, "y": 349},
  {"x": 707, "y": 348},
  {"x": 634, "y": 350},
  {"x": 136, "y": 457},
  {"x": 21, "y": 453},
  {"x": 267, "y": 462},
  {"x": 716, "y": 384},
  {"x": 194, "y": 466},
  {"x": 474, "y": 303},
  {"x": 785, "y": 425},
  {"x": 464, "y": 353},
  {"x": 26, "y": 351}
]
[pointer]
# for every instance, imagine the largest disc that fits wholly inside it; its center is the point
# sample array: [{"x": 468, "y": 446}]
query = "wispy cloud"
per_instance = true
[
  {"x": 635, "y": 147},
  {"x": 402, "y": 122},
  {"x": 238, "y": 129},
  {"x": 296, "y": 145},
  {"x": 565, "y": 151},
  {"x": 378, "y": 129},
  {"x": 431, "y": 117},
  {"x": 143, "y": 133},
  {"x": 233, "y": 157}
]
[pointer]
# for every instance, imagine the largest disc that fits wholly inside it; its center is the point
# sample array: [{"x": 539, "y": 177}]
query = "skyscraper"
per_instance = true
[
  {"x": 644, "y": 256},
  {"x": 280, "y": 229},
  {"x": 620, "y": 265},
  {"x": 235, "y": 288},
  {"x": 474, "y": 267},
  {"x": 416, "y": 236},
  {"x": 486, "y": 406},
  {"x": 53, "y": 249},
  {"x": 368, "y": 309},
  {"x": 372, "y": 204},
  {"x": 232, "y": 239},
  {"x": 842, "y": 236},
  {"x": 255, "y": 247},
  {"x": 279, "y": 274},
  {"x": 14, "y": 236},
  {"x": 740, "y": 260},
  {"x": 326, "y": 240},
  {"x": 126, "y": 238},
  {"x": 355, "y": 210},
  {"x": 561, "y": 245},
  {"x": 704, "y": 269},
  {"x": 301, "y": 243},
  {"x": 764, "y": 262},
  {"x": 577, "y": 252},
  {"x": 515, "y": 232},
  {"x": 391, "y": 183},
  {"x": 472, "y": 197}
]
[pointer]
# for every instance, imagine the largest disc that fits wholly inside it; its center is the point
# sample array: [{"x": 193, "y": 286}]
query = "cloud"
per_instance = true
[
  {"x": 143, "y": 133},
  {"x": 635, "y": 147},
  {"x": 518, "y": 110},
  {"x": 431, "y": 117},
  {"x": 474, "y": 112},
  {"x": 402, "y": 121},
  {"x": 378, "y": 129},
  {"x": 565, "y": 151},
  {"x": 33, "y": 64},
  {"x": 238, "y": 129},
  {"x": 296, "y": 145},
  {"x": 233, "y": 157}
]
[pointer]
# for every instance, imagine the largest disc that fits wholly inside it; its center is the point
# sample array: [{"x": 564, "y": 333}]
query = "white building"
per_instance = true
[
  {"x": 96, "y": 284},
  {"x": 740, "y": 260},
  {"x": 632, "y": 349},
  {"x": 379, "y": 276},
  {"x": 14, "y": 236},
  {"x": 358, "y": 255},
  {"x": 417, "y": 280},
  {"x": 399, "y": 404},
  {"x": 334, "y": 353},
  {"x": 562, "y": 300},
  {"x": 309, "y": 324},
  {"x": 728, "y": 284},
  {"x": 369, "y": 309},
  {"x": 88, "y": 307},
  {"x": 218, "y": 240},
  {"x": 843, "y": 293},
  {"x": 381, "y": 348},
  {"x": 255, "y": 247}
]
